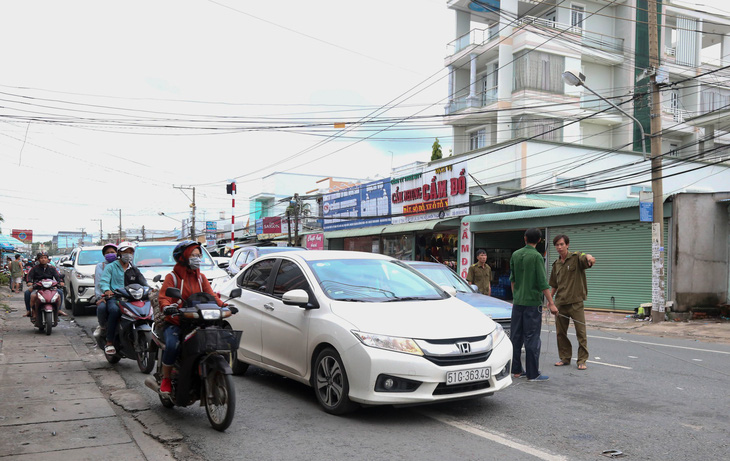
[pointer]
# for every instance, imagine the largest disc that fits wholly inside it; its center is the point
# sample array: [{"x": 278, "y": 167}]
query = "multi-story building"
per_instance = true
[{"x": 524, "y": 128}]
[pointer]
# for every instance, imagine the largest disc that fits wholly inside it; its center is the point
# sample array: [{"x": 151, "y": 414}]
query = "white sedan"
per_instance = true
[{"x": 364, "y": 328}]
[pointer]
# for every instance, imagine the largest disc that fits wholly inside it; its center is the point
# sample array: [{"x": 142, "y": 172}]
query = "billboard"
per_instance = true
[
  {"x": 314, "y": 242},
  {"x": 359, "y": 206},
  {"x": 24, "y": 235},
  {"x": 437, "y": 193}
]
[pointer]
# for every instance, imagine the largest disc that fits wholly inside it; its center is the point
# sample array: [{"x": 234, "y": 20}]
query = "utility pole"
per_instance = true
[
  {"x": 657, "y": 225},
  {"x": 119, "y": 240},
  {"x": 192, "y": 205},
  {"x": 101, "y": 232},
  {"x": 143, "y": 234},
  {"x": 297, "y": 208}
]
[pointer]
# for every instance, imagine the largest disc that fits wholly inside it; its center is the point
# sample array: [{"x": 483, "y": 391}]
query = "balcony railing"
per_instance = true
[
  {"x": 590, "y": 102},
  {"x": 473, "y": 37},
  {"x": 679, "y": 115},
  {"x": 483, "y": 99},
  {"x": 589, "y": 39}
]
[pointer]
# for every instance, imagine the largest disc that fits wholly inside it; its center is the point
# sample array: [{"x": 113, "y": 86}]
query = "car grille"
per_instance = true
[
  {"x": 443, "y": 389},
  {"x": 458, "y": 360},
  {"x": 444, "y": 352}
]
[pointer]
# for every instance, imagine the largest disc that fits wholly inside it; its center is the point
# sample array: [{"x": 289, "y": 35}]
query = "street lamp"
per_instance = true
[{"x": 575, "y": 78}]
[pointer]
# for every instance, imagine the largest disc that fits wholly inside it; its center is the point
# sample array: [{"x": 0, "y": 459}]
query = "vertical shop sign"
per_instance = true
[{"x": 464, "y": 249}]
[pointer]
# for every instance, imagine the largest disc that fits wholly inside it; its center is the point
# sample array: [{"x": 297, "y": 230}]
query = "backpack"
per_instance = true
[{"x": 159, "y": 315}]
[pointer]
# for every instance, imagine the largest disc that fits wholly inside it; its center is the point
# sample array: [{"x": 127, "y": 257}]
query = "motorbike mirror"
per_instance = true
[
  {"x": 157, "y": 278},
  {"x": 235, "y": 293},
  {"x": 173, "y": 292}
]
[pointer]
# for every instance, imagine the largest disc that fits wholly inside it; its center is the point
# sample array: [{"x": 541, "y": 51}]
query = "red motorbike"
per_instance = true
[{"x": 48, "y": 300}]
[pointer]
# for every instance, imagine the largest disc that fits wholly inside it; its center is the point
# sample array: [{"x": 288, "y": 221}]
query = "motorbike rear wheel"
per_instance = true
[
  {"x": 220, "y": 399},
  {"x": 49, "y": 322}
]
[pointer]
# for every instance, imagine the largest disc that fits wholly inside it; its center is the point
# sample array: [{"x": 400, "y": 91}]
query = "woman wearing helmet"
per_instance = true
[
  {"x": 110, "y": 255},
  {"x": 185, "y": 276},
  {"x": 116, "y": 275}
]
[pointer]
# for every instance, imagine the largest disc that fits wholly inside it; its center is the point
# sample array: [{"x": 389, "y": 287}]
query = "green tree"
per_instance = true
[{"x": 436, "y": 150}]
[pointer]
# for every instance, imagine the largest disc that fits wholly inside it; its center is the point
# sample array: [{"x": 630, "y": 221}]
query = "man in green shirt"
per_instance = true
[
  {"x": 529, "y": 284},
  {"x": 568, "y": 282},
  {"x": 480, "y": 274}
]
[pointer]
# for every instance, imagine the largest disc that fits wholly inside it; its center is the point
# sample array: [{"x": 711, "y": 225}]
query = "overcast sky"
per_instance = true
[
  {"x": 72, "y": 67},
  {"x": 103, "y": 104}
]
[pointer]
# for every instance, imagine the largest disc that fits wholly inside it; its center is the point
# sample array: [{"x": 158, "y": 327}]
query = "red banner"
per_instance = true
[
  {"x": 315, "y": 242},
  {"x": 272, "y": 226},
  {"x": 24, "y": 235}
]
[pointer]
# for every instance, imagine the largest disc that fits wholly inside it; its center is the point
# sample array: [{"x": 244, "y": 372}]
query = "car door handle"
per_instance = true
[{"x": 269, "y": 306}]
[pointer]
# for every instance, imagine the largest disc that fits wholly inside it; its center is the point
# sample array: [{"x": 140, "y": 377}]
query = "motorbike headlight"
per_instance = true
[
  {"x": 390, "y": 343},
  {"x": 41, "y": 298},
  {"x": 136, "y": 294},
  {"x": 55, "y": 297},
  {"x": 497, "y": 335},
  {"x": 211, "y": 314}
]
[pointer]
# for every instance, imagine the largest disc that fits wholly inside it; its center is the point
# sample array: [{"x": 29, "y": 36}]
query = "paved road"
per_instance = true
[{"x": 649, "y": 397}]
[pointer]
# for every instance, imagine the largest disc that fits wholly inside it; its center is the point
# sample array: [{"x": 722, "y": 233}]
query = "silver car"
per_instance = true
[
  {"x": 78, "y": 270},
  {"x": 153, "y": 258}
]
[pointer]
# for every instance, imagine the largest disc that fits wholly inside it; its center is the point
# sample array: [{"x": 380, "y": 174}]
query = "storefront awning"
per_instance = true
[
  {"x": 433, "y": 224},
  {"x": 554, "y": 211}
]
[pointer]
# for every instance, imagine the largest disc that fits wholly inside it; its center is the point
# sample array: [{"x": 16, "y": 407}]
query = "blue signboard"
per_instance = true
[
  {"x": 359, "y": 206},
  {"x": 259, "y": 226},
  {"x": 211, "y": 226},
  {"x": 646, "y": 212}
]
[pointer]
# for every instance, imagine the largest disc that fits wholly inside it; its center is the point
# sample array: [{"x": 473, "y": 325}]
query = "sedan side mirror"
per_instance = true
[
  {"x": 173, "y": 292},
  {"x": 235, "y": 293},
  {"x": 449, "y": 289},
  {"x": 67, "y": 264},
  {"x": 295, "y": 298}
]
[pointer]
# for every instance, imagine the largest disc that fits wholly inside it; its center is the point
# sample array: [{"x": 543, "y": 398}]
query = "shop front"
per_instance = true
[{"x": 621, "y": 280}]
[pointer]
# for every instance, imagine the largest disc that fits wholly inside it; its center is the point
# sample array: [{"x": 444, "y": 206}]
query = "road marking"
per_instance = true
[
  {"x": 482, "y": 432},
  {"x": 609, "y": 364},
  {"x": 650, "y": 343}
]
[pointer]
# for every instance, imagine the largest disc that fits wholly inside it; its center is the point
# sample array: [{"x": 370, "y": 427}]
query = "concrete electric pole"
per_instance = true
[
  {"x": 193, "y": 206},
  {"x": 657, "y": 226},
  {"x": 101, "y": 232}
]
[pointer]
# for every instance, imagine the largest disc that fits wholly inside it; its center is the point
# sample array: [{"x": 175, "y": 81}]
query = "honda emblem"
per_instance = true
[{"x": 464, "y": 347}]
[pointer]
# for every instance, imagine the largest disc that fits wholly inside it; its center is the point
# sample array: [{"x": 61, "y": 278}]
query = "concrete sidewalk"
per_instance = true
[{"x": 60, "y": 399}]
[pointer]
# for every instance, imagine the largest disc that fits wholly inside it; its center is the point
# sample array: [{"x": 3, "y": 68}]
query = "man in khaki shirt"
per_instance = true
[
  {"x": 480, "y": 274},
  {"x": 569, "y": 288}
]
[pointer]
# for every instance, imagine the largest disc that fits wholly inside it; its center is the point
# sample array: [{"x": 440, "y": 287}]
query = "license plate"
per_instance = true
[{"x": 467, "y": 376}]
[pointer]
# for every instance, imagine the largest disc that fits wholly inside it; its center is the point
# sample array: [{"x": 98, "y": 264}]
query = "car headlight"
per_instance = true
[
  {"x": 497, "y": 335},
  {"x": 81, "y": 276},
  {"x": 211, "y": 314},
  {"x": 390, "y": 343}
]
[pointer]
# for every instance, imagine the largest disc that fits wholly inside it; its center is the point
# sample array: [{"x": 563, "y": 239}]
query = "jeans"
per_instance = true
[
  {"x": 102, "y": 314},
  {"x": 113, "y": 314},
  {"x": 26, "y": 295},
  {"x": 172, "y": 342},
  {"x": 525, "y": 329}
]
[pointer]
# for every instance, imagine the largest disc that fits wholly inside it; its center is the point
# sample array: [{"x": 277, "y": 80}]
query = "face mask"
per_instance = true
[
  {"x": 127, "y": 258},
  {"x": 194, "y": 262},
  {"x": 110, "y": 257}
]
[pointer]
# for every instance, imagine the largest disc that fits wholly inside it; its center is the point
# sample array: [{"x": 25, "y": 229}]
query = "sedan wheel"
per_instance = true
[{"x": 330, "y": 383}]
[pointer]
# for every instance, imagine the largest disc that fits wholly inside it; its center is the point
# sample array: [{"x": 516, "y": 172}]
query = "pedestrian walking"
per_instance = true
[
  {"x": 529, "y": 284},
  {"x": 16, "y": 274},
  {"x": 480, "y": 274},
  {"x": 570, "y": 289}
]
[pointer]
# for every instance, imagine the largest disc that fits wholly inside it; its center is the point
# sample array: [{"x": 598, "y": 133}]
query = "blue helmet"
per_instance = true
[{"x": 177, "y": 253}]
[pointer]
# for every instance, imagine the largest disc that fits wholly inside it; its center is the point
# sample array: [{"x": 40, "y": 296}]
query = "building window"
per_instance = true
[
  {"x": 535, "y": 70},
  {"x": 547, "y": 129},
  {"x": 569, "y": 183},
  {"x": 477, "y": 139},
  {"x": 577, "y": 15},
  {"x": 634, "y": 191}
]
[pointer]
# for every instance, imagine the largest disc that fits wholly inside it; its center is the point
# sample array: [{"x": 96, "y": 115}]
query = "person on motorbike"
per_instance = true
[
  {"x": 110, "y": 255},
  {"x": 117, "y": 275},
  {"x": 187, "y": 277},
  {"x": 42, "y": 271}
]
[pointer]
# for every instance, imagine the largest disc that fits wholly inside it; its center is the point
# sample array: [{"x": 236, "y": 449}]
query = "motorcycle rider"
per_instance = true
[
  {"x": 110, "y": 255},
  {"x": 187, "y": 277},
  {"x": 42, "y": 271},
  {"x": 117, "y": 275}
]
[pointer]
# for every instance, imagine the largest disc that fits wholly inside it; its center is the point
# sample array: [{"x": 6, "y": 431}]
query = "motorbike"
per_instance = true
[
  {"x": 48, "y": 300},
  {"x": 202, "y": 370},
  {"x": 134, "y": 330}
]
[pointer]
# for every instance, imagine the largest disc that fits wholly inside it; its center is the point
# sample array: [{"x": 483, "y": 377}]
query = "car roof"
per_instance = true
[
  {"x": 96, "y": 248},
  {"x": 324, "y": 255},
  {"x": 423, "y": 263}
]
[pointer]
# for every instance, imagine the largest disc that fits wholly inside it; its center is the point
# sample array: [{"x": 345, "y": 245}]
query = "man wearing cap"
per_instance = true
[
  {"x": 480, "y": 274},
  {"x": 569, "y": 288}
]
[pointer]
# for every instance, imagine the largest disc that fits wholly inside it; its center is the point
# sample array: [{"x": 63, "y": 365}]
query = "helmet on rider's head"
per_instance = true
[
  {"x": 178, "y": 253},
  {"x": 41, "y": 253},
  {"x": 109, "y": 245},
  {"x": 125, "y": 246}
]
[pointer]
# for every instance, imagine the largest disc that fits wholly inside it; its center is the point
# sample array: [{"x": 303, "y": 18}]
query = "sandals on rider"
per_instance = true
[{"x": 110, "y": 349}]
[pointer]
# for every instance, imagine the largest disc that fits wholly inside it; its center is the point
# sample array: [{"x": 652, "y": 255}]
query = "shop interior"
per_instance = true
[{"x": 440, "y": 247}]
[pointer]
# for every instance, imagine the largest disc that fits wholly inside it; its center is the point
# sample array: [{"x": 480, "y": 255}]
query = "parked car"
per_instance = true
[
  {"x": 498, "y": 310},
  {"x": 363, "y": 328},
  {"x": 78, "y": 270},
  {"x": 153, "y": 258},
  {"x": 245, "y": 255},
  {"x": 221, "y": 261}
]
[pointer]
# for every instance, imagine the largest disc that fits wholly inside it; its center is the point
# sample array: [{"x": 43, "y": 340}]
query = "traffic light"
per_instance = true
[{"x": 231, "y": 188}]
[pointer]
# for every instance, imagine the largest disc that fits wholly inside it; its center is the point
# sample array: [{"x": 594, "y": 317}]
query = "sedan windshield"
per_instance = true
[
  {"x": 89, "y": 257},
  {"x": 161, "y": 255},
  {"x": 372, "y": 280},
  {"x": 442, "y": 275}
]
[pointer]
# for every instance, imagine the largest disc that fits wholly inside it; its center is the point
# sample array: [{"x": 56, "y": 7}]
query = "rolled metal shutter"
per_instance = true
[{"x": 621, "y": 278}]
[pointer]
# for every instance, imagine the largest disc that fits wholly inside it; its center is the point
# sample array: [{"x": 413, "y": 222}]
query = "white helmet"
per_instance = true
[{"x": 125, "y": 245}]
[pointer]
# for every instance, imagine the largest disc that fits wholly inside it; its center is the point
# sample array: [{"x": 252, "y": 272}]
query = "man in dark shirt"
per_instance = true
[
  {"x": 42, "y": 271},
  {"x": 529, "y": 284}
]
